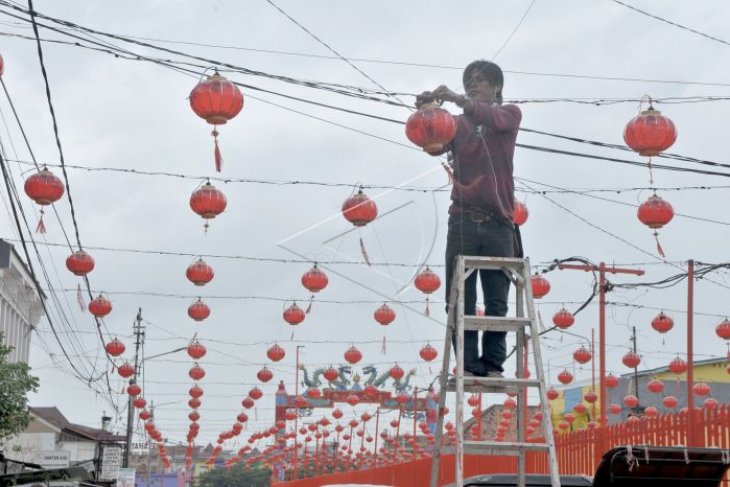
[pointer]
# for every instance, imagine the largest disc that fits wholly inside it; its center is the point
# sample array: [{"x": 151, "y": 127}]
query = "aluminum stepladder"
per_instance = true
[{"x": 523, "y": 322}]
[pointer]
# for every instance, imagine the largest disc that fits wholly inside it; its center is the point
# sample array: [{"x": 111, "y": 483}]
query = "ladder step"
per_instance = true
[
  {"x": 496, "y": 448},
  {"x": 494, "y": 263},
  {"x": 492, "y": 384},
  {"x": 496, "y": 323}
]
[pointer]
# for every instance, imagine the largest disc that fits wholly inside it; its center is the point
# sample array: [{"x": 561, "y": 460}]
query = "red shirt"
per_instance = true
[{"x": 483, "y": 150}]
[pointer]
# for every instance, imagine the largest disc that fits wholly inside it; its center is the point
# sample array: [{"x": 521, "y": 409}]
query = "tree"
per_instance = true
[
  {"x": 15, "y": 383},
  {"x": 237, "y": 476}
]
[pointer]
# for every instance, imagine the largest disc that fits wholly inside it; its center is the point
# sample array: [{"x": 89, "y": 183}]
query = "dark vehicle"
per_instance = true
[{"x": 635, "y": 466}]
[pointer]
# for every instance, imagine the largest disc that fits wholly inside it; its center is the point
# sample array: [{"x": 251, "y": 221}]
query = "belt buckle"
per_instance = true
[{"x": 479, "y": 217}]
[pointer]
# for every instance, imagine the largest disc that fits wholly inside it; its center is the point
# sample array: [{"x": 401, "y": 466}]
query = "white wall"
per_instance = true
[{"x": 25, "y": 446}]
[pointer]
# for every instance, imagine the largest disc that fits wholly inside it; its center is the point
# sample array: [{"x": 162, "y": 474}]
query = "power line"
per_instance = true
[{"x": 509, "y": 37}]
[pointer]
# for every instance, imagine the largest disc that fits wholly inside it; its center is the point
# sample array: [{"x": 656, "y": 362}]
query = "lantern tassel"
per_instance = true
[
  {"x": 659, "y": 248},
  {"x": 309, "y": 306},
  {"x": 427, "y": 312},
  {"x": 41, "y": 228},
  {"x": 364, "y": 253},
  {"x": 382, "y": 348},
  {"x": 217, "y": 152},
  {"x": 205, "y": 227}
]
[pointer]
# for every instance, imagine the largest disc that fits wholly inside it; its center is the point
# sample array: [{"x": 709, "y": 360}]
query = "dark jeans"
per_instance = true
[{"x": 492, "y": 238}]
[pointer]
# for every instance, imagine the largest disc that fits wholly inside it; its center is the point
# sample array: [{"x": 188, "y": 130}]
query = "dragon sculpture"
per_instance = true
[
  {"x": 342, "y": 383},
  {"x": 403, "y": 385},
  {"x": 314, "y": 381},
  {"x": 400, "y": 385}
]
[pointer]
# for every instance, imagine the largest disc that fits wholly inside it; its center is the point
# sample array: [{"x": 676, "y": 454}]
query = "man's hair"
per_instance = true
[{"x": 489, "y": 70}]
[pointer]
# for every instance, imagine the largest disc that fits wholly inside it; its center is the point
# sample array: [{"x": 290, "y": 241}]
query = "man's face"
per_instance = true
[{"x": 479, "y": 88}]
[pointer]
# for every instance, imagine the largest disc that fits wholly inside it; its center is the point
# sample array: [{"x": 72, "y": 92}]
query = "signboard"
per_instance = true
[
  {"x": 110, "y": 462},
  {"x": 53, "y": 458},
  {"x": 126, "y": 477}
]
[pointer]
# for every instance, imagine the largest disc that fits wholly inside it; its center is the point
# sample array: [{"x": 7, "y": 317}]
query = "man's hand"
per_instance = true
[
  {"x": 444, "y": 93},
  {"x": 425, "y": 97}
]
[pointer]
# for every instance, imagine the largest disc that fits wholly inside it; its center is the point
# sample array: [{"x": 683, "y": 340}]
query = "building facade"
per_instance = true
[{"x": 20, "y": 303}]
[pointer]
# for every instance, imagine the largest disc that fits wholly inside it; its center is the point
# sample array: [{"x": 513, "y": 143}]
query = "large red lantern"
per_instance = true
[
  {"x": 427, "y": 282},
  {"x": 208, "y": 202},
  {"x": 582, "y": 355},
  {"x": 196, "y": 372},
  {"x": 216, "y": 100},
  {"x": 678, "y": 366},
  {"x": 330, "y": 374},
  {"x": 100, "y": 306},
  {"x": 353, "y": 399},
  {"x": 275, "y": 353},
  {"x": 313, "y": 392},
  {"x": 662, "y": 323},
  {"x": 631, "y": 360},
  {"x": 540, "y": 286},
  {"x": 199, "y": 273},
  {"x": 194, "y": 415},
  {"x": 565, "y": 377},
  {"x": 196, "y": 391},
  {"x": 701, "y": 388},
  {"x": 431, "y": 128},
  {"x": 44, "y": 188},
  {"x": 723, "y": 329},
  {"x": 114, "y": 348},
  {"x": 139, "y": 402},
  {"x": 428, "y": 353},
  {"x": 631, "y": 401},
  {"x": 590, "y": 397},
  {"x": 198, "y": 310},
  {"x": 248, "y": 403},
  {"x": 353, "y": 355},
  {"x": 194, "y": 402},
  {"x": 611, "y": 381},
  {"x": 359, "y": 210},
  {"x": 314, "y": 279},
  {"x": 294, "y": 314},
  {"x": 196, "y": 350},
  {"x": 670, "y": 402},
  {"x": 656, "y": 386},
  {"x": 563, "y": 319},
  {"x": 126, "y": 370},
  {"x": 519, "y": 217},
  {"x": 265, "y": 375},
  {"x": 134, "y": 389},
  {"x": 384, "y": 315},
  {"x": 80, "y": 263},
  {"x": 614, "y": 408},
  {"x": 650, "y": 133},
  {"x": 396, "y": 372},
  {"x": 655, "y": 213},
  {"x": 651, "y": 411},
  {"x": 255, "y": 393},
  {"x": 552, "y": 394},
  {"x": 144, "y": 415}
]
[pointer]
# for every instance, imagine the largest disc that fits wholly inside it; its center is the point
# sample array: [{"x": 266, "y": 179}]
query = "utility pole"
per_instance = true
[
  {"x": 636, "y": 371},
  {"x": 690, "y": 353},
  {"x": 602, "y": 288},
  {"x": 138, "y": 328}
]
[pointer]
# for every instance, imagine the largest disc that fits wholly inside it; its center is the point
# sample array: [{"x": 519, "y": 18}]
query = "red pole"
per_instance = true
[
  {"x": 479, "y": 419},
  {"x": 377, "y": 427},
  {"x": 296, "y": 418},
  {"x": 593, "y": 371},
  {"x": 690, "y": 359},
  {"x": 415, "y": 398},
  {"x": 602, "y": 338}
]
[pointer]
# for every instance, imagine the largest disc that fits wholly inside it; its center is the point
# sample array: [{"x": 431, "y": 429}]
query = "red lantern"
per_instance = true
[
  {"x": 80, "y": 263},
  {"x": 431, "y": 128},
  {"x": 353, "y": 355},
  {"x": 563, "y": 319},
  {"x": 569, "y": 417},
  {"x": 614, "y": 408},
  {"x": 126, "y": 370},
  {"x": 208, "y": 202},
  {"x": 196, "y": 350},
  {"x": 565, "y": 377},
  {"x": 331, "y": 374},
  {"x": 198, "y": 310},
  {"x": 265, "y": 375},
  {"x": 582, "y": 355},
  {"x": 134, "y": 389},
  {"x": 655, "y": 212},
  {"x": 359, "y": 210},
  {"x": 427, "y": 282},
  {"x": 314, "y": 280},
  {"x": 247, "y": 403},
  {"x": 590, "y": 397},
  {"x": 216, "y": 100},
  {"x": 144, "y": 415},
  {"x": 194, "y": 402},
  {"x": 580, "y": 408},
  {"x": 655, "y": 386},
  {"x": 196, "y": 372},
  {"x": 631, "y": 360},
  {"x": 670, "y": 402},
  {"x": 353, "y": 399},
  {"x": 275, "y": 353},
  {"x": 428, "y": 353},
  {"x": 723, "y": 329},
  {"x": 631, "y": 401},
  {"x": 139, "y": 402},
  {"x": 711, "y": 403},
  {"x": 44, "y": 188},
  {"x": 540, "y": 286},
  {"x": 100, "y": 306},
  {"x": 509, "y": 403},
  {"x": 701, "y": 388},
  {"x": 650, "y": 133},
  {"x": 114, "y": 348},
  {"x": 563, "y": 425},
  {"x": 552, "y": 394},
  {"x": 294, "y": 314},
  {"x": 370, "y": 391},
  {"x": 678, "y": 366},
  {"x": 255, "y": 393},
  {"x": 473, "y": 400},
  {"x": 662, "y": 323},
  {"x": 651, "y": 411},
  {"x": 313, "y": 392},
  {"x": 195, "y": 391},
  {"x": 402, "y": 398},
  {"x": 199, "y": 273},
  {"x": 519, "y": 217},
  {"x": 337, "y": 413},
  {"x": 384, "y": 315},
  {"x": 396, "y": 372}
]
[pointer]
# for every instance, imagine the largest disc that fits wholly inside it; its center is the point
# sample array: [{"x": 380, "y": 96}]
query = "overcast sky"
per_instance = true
[{"x": 134, "y": 116}]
